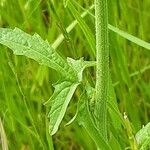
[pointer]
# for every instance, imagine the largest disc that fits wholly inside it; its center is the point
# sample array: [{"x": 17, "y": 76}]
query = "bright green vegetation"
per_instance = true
[{"x": 72, "y": 77}]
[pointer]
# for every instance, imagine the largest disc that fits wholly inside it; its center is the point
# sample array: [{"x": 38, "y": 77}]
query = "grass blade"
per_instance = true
[
  {"x": 70, "y": 27},
  {"x": 130, "y": 37},
  {"x": 86, "y": 30}
]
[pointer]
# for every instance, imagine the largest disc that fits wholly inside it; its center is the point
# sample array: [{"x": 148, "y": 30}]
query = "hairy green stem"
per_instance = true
[{"x": 102, "y": 68}]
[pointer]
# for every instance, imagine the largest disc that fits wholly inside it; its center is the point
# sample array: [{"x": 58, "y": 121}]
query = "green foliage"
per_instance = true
[
  {"x": 86, "y": 119},
  {"x": 34, "y": 47},
  {"x": 130, "y": 37},
  {"x": 143, "y": 137},
  {"x": 61, "y": 98},
  {"x": 86, "y": 30},
  {"x": 94, "y": 116}
]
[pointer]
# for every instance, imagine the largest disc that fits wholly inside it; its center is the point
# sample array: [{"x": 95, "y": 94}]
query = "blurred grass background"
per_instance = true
[{"x": 25, "y": 85}]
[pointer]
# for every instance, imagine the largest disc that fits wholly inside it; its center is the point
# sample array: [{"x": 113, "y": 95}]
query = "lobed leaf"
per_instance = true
[
  {"x": 36, "y": 48},
  {"x": 63, "y": 93}
]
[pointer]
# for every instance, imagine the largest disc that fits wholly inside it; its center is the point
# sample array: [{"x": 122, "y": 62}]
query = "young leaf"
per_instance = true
[
  {"x": 36, "y": 48},
  {"x": 79, "y": 66}
]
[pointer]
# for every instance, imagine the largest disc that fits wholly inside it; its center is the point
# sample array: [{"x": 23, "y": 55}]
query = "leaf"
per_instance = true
[
  {"x": 70, "y": 27},
  {"x": 79, "y": 66},
  {"x": 130, "y": 37},
  {"x": 72, "y": 119},
  {"x": 85, "y": 28},
  {"x": 85, "y": 119},
  {"x": 36, "y": 48},
  {"x": 82, "y": 24},
  {"x": 61, "y": 98},
  {"x": 143, "y": 137},
  {"x": 63, "y": 93},
  {"x": 116, "y": 117}
]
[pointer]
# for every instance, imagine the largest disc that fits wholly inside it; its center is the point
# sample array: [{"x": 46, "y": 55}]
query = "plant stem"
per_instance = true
[{"x": 102, "y": 68}]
